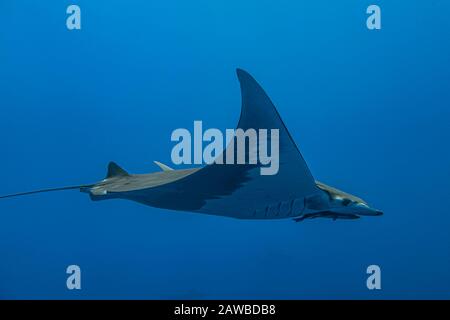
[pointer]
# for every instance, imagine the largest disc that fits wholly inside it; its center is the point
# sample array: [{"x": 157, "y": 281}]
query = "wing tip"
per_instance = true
[{"x": 243, "y": 75}]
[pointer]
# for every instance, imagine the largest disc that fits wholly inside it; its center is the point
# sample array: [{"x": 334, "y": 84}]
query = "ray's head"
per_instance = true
[{"x": 347, "y": 202}]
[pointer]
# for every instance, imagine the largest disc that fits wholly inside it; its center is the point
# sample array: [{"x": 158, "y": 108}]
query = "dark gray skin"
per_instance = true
[
  {"x": 329, "y": 202},
  {"x": 236, "y": 190}
]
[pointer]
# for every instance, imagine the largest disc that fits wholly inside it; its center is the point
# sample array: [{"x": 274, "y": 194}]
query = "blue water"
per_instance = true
[{"x": 369, "y": 110}]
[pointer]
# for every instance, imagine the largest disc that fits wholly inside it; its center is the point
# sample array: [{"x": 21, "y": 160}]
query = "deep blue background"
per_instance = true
[{"x": 369, "y": 110}]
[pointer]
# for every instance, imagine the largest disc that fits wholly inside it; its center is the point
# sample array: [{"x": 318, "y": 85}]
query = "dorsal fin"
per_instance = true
[
  {"x": 115, "y": 171},
  {"x": 163, "y": 166}
]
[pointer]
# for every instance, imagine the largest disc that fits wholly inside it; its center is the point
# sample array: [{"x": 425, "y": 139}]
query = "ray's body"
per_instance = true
[{"x": 236, "y": 190}]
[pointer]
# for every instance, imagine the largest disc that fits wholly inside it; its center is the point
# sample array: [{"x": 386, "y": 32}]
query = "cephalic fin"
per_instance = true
[{"x": 163, "y": 166}]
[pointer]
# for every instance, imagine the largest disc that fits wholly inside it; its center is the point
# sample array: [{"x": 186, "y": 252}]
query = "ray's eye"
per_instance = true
[{"x": 346, "y": 202}]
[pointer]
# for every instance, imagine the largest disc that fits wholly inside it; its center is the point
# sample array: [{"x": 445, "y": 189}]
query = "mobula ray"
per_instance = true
[{"x": 235, "y": 190}]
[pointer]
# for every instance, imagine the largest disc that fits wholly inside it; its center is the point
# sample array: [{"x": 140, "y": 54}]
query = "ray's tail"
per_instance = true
[
  {"x": 113, "y": 171},
  {"x": 46, "y": 190}
]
